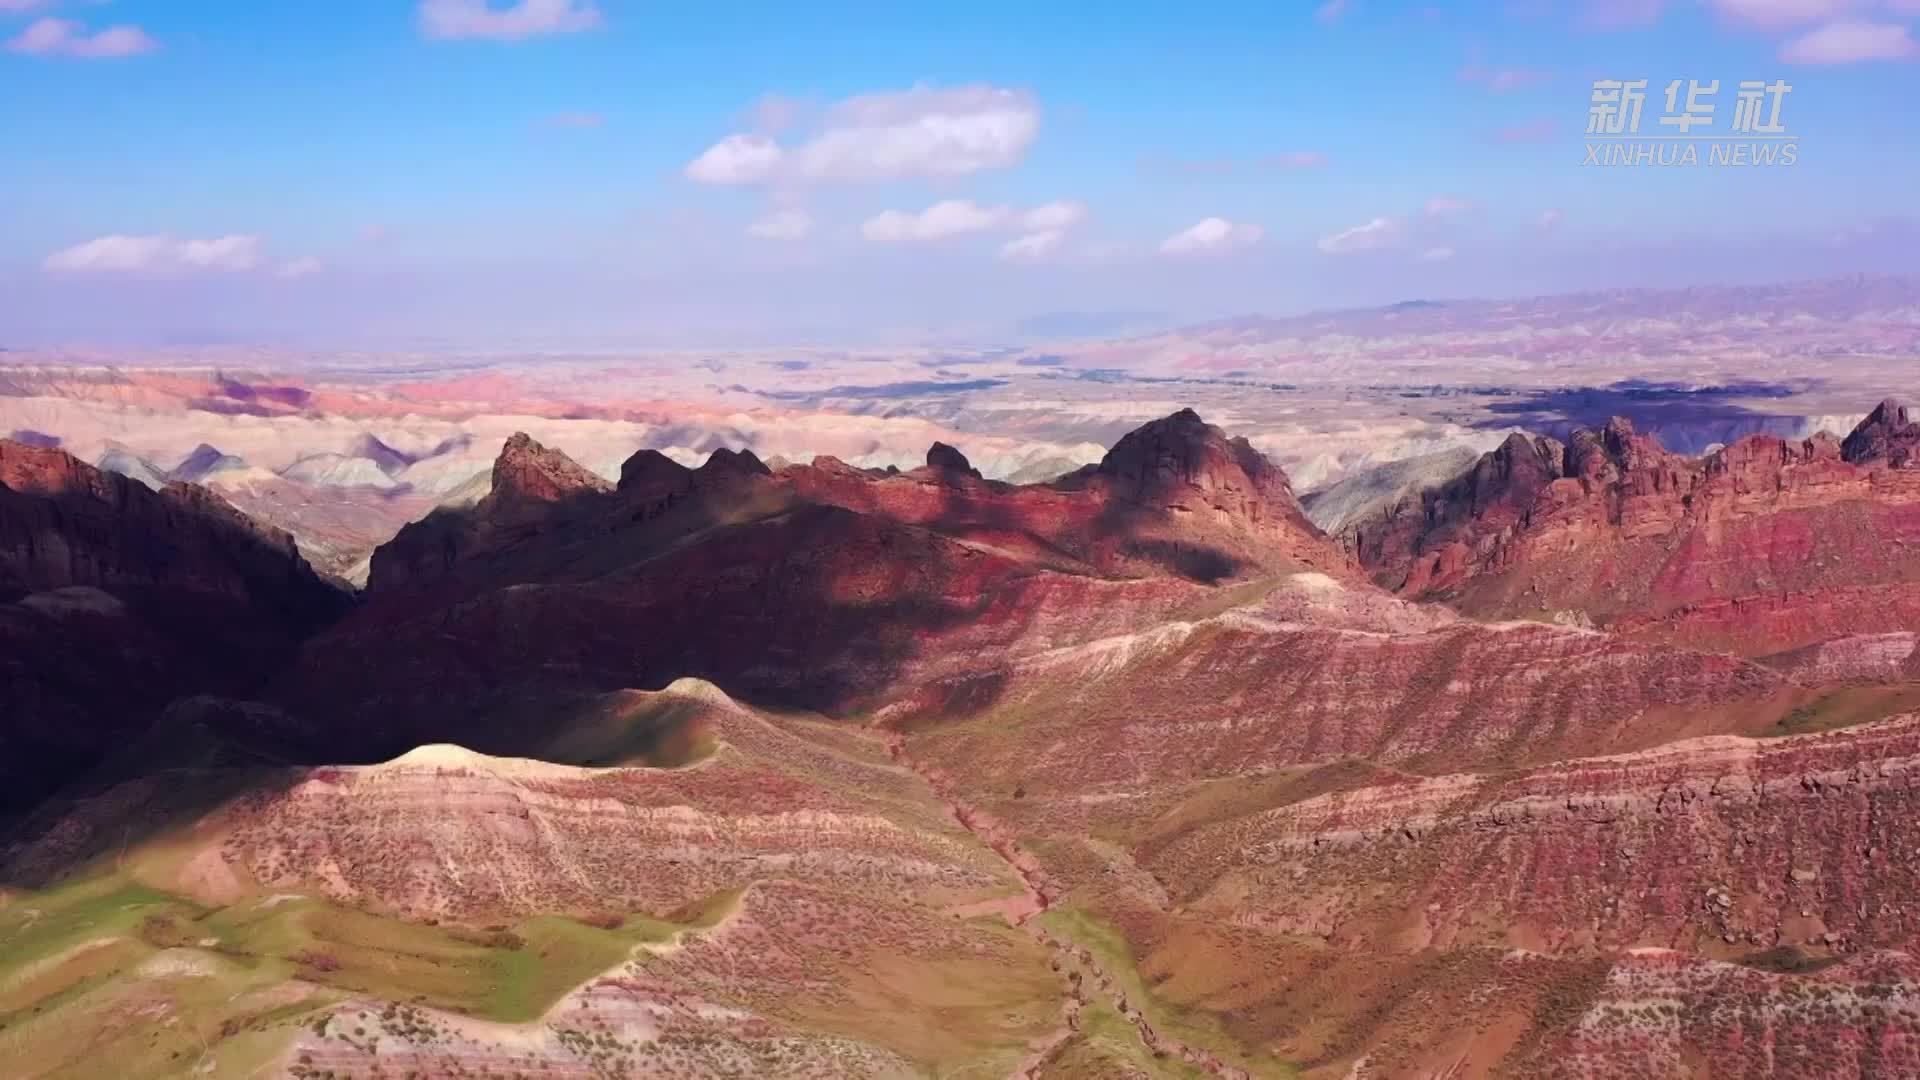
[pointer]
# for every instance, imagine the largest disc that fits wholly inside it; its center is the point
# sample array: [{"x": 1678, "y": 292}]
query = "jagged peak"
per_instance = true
[
  {"x": 1886, "y": 434},
  {"x": 28, "y": 468},
  {"x": 651, "y": 468},
  {"x": 528, "y": 471},
  {"x": 1178, "y": 450},
  {"x": 1509, "y": 474},
  {"x": 743, "y": 462},
  {"x": 187, "y": 519},
  {"x": 1614, "y": 447},
  {"x": 947, "y": 459},
  {"x": 1521, "y": 446},
  {"x": 1182, "y": 430},
  {"x": 1889, "y": 412}
]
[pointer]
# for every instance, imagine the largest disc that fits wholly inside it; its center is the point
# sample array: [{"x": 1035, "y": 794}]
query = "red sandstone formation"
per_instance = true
[
  {"x": 1254, "y": 812},
  {"x": 1718, "y": 845},
  {"x": 821, "y": 585},
  {"x": 1613, "y": 528},
  {"x": 65, "y": 523},
  {"x": 115, "y": 599},
  {"x": 1246, "y": 691}
]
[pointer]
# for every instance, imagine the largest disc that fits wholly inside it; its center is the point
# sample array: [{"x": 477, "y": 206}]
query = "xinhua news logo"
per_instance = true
[{"x": 1686, "y": 133}]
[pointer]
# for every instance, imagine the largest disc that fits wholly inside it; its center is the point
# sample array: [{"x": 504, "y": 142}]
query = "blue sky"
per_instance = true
[{"x": 615, "y": 172}]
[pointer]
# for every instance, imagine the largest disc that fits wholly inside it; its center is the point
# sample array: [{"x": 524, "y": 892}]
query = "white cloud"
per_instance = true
[
  {"x": 1054, "y": 216},
  {"x": 922, "y": 132},
  {"x": 782, "y": 225},
  {"x": 64, "y": 37},
  {"x": 951, "y": 217},
  {"x": 299, "y": 268},
  {"x": 112, "y": 253},
  {"x": 21, "y": 7},
  {"x": 1620, "y": 14},
  {"x": 1446, "y": 206},
  {"x": 1044, "y": 226},
  {"x": 1379, "y": 233},
  {"x": 221, "y": 253},
  {"x": 1436, "y": 254},
  {"x": 1851, "y": 41},
  {"x": 1331, "y": 11},
  {"x": 1551, "y": 219},
  {"x": 1774, "y": 14},
  {"x": 453, "y": 19},
  {"x": 120, "y": 254},
  {"x": 1212, "y": 236},
  {"x": 737, "y": 159},
  {"x": 1034, "y": 246}
]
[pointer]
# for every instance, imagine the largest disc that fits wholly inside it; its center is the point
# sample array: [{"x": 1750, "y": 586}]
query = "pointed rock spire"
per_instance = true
[
  {"x": 1885, "y": 435},
  {"x": 527, "y": 472},
  {"x": 735, "y": 462},
  {"x": 942, "y": 458},
  {"x": 1169, "y": 458}
]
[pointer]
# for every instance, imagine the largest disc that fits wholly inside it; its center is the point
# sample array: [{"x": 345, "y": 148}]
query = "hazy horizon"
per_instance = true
[{"x": 574, "y": 172}]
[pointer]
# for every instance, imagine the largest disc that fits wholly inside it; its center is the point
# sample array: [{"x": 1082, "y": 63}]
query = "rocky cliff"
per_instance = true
[
  {"x": 1611, "y": 526},
  {"x": 115, "y": 599}
]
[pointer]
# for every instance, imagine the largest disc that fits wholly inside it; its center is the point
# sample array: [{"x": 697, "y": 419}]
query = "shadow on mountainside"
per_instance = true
[
  {"x": 1116, "y": 539},
  {"x": 1687, "y": 419},
  {"x": 199, "y": 755},
  {"x": 816, "y": 607},
  {"x": 84, "y": 673}
]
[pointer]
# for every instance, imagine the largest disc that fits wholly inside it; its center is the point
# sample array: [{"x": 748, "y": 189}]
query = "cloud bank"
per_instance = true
[
  {"x": 162, "y": 255},
  {"x": 64, "y": 37},
  {"x": 451, "y": 20},
  {"x": 923, "y": 132},
  {"x": 1212, "y": 236}
]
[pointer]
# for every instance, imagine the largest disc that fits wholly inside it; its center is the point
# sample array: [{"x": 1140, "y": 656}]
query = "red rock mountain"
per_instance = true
[
  {"x": 820, "y": 585},
  {"x": 1612, "y": 527},
  {"x": 1885, "y": 435},
  {"x": 117, "y": 599},
  {"x": 66, "y": 523},
  {"x": 1182, "y": 462},
  {"x": 1250, "y": 813}
]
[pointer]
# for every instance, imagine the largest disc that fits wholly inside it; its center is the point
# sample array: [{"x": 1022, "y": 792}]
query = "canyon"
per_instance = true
[{"x": 1589, "y": 755}]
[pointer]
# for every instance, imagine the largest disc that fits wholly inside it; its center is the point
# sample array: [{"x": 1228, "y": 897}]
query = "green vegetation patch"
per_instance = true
[
  {"x": 510, "y": 973},
  {"x": 222, "y": 988},
  {"x": 1083, "y": 928}
]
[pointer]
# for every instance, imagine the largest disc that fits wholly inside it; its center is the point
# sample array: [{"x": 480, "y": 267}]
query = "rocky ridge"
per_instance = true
[
  {"x": 1611, "y": 526},
  {"x": 115, "y": 599}
]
